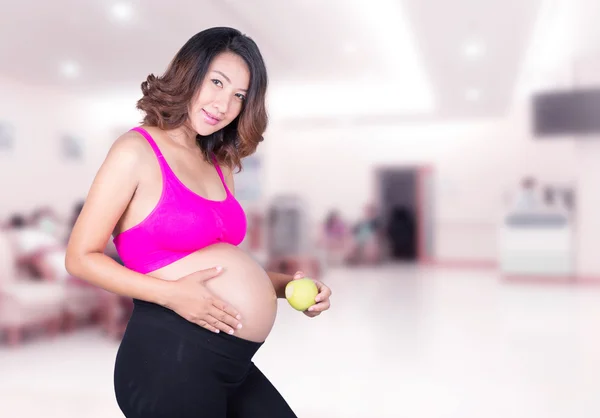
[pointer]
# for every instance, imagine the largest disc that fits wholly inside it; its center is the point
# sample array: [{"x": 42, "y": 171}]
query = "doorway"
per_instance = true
[{"x": 404, "y": 200}]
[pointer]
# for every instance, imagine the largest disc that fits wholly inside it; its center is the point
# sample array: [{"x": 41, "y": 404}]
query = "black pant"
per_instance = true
[{"x": 168, "y": 367}]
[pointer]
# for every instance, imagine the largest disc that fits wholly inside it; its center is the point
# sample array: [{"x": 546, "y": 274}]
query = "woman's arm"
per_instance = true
[
  {"x": 279, "y": 280},
  {"x": 110, "y": 194}
]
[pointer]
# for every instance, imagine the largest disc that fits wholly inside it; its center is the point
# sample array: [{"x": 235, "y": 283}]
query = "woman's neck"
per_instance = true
[{"x": 183, "y": 136}]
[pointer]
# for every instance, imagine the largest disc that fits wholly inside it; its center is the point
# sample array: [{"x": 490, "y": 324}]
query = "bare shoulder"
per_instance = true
[
  {"x": 110, "y": 193},
  {"x": 131, "y": 147}
]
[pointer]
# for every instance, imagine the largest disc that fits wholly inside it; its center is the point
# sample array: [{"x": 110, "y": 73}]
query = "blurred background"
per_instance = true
[{"x": 436, "y": 163}]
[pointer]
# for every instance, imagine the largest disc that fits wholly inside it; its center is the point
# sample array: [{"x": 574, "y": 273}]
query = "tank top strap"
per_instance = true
[
  {"x": 218, "y": 168},
  {"x": 164, "y": 166},
  {"x": 150, "y": 140}
]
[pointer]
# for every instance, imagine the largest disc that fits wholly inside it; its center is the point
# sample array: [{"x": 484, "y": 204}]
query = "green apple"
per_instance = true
[{"x": 301, "y": 293}]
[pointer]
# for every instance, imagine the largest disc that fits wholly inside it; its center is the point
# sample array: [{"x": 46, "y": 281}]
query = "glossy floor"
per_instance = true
[{"x": 400, "y": 341}]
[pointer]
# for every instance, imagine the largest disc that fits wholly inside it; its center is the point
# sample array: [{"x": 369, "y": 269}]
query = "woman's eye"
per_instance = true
[
  {"x": 241, "y": 96},
  {"x": 217, "y": 82}
]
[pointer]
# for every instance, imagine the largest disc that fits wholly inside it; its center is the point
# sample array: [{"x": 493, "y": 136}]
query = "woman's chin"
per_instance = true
[{"x": 205, "y": 129}]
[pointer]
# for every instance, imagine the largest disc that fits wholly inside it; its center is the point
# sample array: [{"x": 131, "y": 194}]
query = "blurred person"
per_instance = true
[
  {"x": 527, "y": 198},
  {"x": 16, "y": 221},
  {"x": 77, "y": 208},
  {"x": 165, "y": 191},
  {"x": 553, "y": 202},
  {"x": 401, "y": 234},
  {"x": 366, "y": 246},
  {"x": 12, "y": 229},
  {"x": 46, "y": 219},
  {"x": 335, "y": 236},
  {"x": 334, "y": 226},
  {"x": 39, "y": 253}
]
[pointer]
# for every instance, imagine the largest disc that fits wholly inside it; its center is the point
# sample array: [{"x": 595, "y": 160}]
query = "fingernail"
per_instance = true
[
  {"x": 239, "y": 326},
  {"x": 219, "y": 268},
  {"x": 230, "y": 332},
  {"x": 216, "y": 331},
  {"x": 311, "y": 309},
  {"x": 317, "y": 299},
  {"x": 238, "y": 317}
]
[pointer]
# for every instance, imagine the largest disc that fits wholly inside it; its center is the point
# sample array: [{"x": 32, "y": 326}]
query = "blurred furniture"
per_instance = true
[
  {"x": 288, "y": 228},
  {"x": 114, "y": 313},
  {"x": 41, "y": 253},
  {"x": 290, "y": 242},
  {"x": 87, "y": 304},
  {"x": 26, "y": 303},
  {"x": 536, "y": 243},
  {"x": 83, "y": 304}
]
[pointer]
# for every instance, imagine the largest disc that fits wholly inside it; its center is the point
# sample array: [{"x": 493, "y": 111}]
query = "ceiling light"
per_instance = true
[
  {"x": 70, "y": 69},
  {"x": 473, "y": 95},
  {"x": 474, "y": 49},
  {"x": 122, "y": 11}
]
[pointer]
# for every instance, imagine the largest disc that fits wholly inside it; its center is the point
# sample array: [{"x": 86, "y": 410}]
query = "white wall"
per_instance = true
[
  {"x": 476, "y": 164},
  {"x": 587, "y": 151},
  {"x": 588, "y": 210},
  {"x": 34, "y": 172},
  {"x": 333, "y": 166}
]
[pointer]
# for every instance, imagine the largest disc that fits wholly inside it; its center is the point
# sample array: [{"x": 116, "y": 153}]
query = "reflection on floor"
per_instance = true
[{"x": 400, "y": 341}]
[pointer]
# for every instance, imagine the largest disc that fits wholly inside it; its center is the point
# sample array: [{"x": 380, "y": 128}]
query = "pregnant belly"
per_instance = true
[{"x": 243, "y": 284}]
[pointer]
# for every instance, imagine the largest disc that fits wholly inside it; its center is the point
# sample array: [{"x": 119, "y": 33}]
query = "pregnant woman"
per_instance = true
[{"x": 203, "y": 307}]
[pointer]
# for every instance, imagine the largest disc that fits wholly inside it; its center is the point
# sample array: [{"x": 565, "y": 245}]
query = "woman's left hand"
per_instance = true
[{"x": 322, "y": 297}]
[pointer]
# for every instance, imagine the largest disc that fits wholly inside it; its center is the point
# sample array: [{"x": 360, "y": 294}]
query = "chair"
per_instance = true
[{"x": 26, "y": 303}]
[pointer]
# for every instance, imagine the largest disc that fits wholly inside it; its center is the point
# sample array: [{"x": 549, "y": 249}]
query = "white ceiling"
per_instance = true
[
  {"x": 442, "y": 27},
  {"x": 330, "y": 58}
]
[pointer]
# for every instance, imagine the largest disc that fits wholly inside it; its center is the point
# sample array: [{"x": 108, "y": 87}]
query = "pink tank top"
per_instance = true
[{"x": 181, "y": 223}]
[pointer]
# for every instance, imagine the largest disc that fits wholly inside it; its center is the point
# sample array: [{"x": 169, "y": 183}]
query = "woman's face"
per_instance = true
[{"x": 221, "y": 96}]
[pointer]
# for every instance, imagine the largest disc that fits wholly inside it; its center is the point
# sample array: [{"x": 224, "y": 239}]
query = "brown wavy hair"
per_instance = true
[{"x": 166, "y": 99}]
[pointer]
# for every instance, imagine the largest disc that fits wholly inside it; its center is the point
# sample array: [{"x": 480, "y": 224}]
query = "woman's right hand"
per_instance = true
[{"x": 191, "y": 300}]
